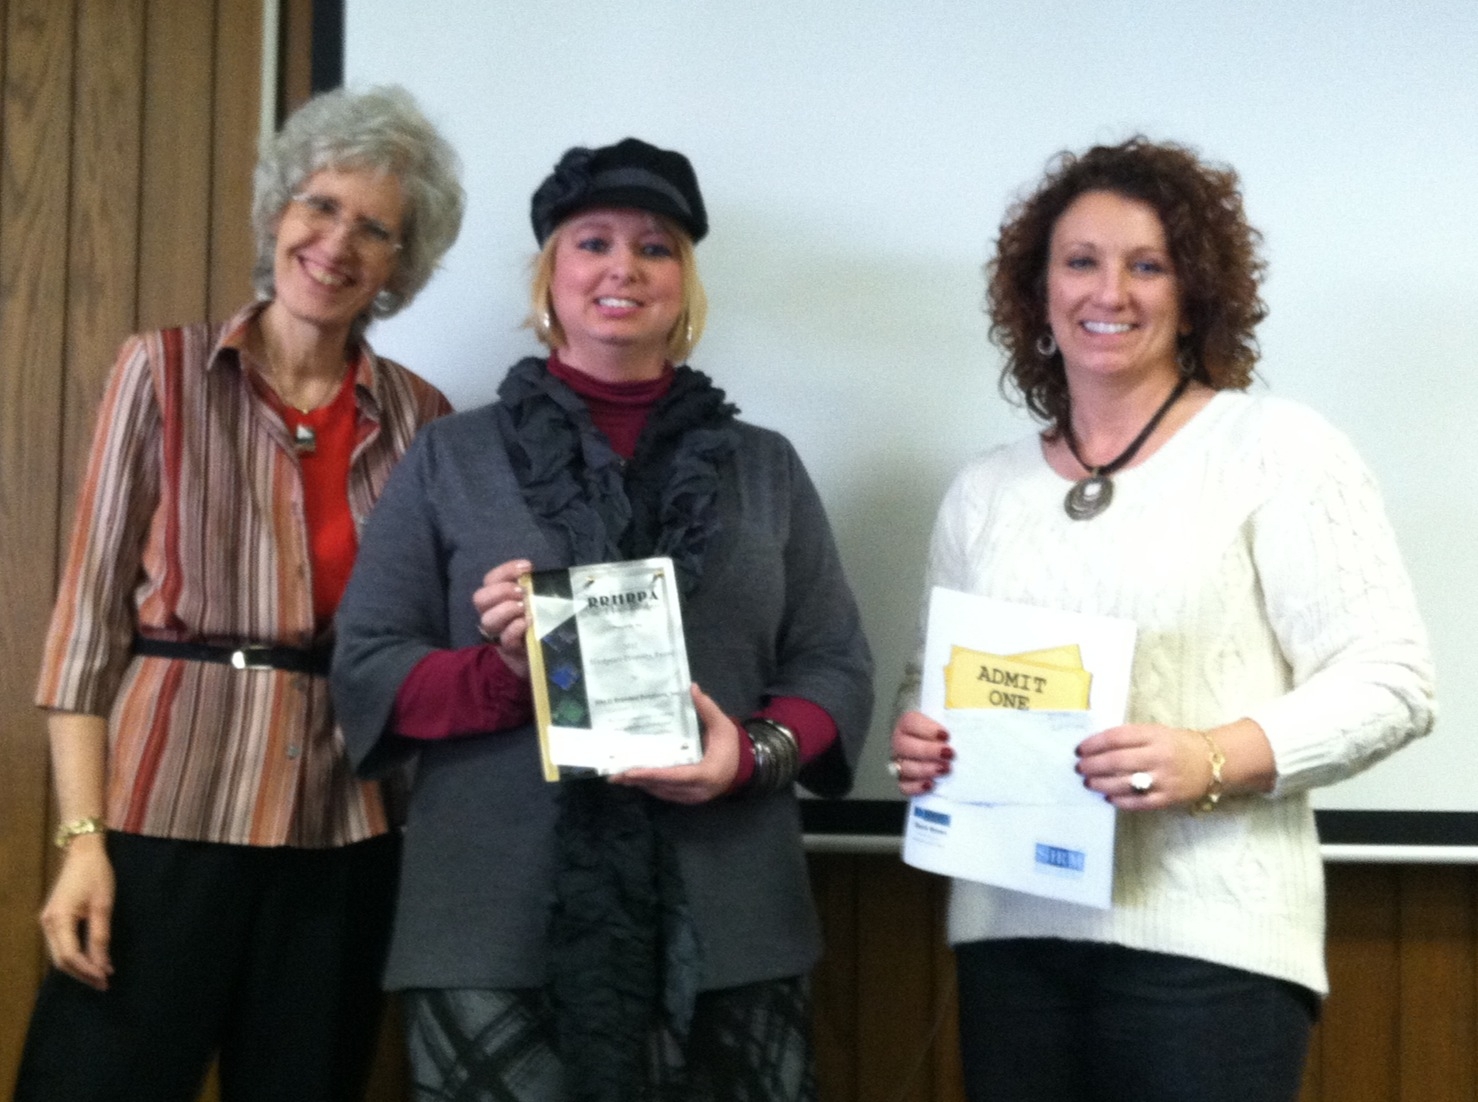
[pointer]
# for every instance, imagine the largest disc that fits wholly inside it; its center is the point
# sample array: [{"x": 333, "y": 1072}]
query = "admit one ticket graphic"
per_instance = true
[{"x": 1040, "y": 680}]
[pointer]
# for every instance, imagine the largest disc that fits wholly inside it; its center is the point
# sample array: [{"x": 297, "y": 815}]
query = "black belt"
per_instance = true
[{"x": 247, "y": 656}]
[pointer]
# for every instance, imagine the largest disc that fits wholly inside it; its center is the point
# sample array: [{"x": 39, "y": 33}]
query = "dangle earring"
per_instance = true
[
  {"x": 1185, "y": 359},
  {"x": 1046, "y": 345}
]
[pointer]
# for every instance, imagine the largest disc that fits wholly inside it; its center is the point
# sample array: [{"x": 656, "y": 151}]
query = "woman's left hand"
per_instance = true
[
  {"x": 709, "y": 778},
  {"x": 1175, "y": 761}
]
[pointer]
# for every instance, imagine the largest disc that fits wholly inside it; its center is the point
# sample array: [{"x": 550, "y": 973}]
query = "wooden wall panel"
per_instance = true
[
  {"x": 1437, "y": 971},
  {"x": 237, "y": 99},
  {"x": 948, "y": 1076},
  {"x": 1357, "y": 1050},
  {"x": 898, "y": 984},
  {"x": 178, "y": 143},
  {"x": 37, "y": 114},
  {"x": 103, "y": 257},
  {"x": 834, "y": 886},
  {"x": 295, "y": 57},
  {"x": 4, "y": 23}
]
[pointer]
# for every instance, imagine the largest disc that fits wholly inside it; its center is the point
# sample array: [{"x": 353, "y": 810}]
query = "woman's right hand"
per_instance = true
[
  {"x": 921, "y": 752},
  {"x": 500, "y": 613},
  {"x": 78, "y": 917}
]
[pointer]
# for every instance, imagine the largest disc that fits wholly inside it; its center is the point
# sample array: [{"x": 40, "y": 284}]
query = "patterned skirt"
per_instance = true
[{"x": 746, "y": 1044}]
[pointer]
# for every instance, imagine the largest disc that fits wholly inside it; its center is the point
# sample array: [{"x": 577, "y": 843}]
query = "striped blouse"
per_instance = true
[{"x": 190, "y": 526}]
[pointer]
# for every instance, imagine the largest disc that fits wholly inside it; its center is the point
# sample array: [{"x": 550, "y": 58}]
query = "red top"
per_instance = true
[
  {"x": 472, "y": 691},
  {"x": 324, "y": 439}
]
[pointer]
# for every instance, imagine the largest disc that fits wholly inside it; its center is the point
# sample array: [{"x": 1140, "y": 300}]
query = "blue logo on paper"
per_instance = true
[
  {"x": 937, "y": 817},
  {"x": 1060, "y": 859}
]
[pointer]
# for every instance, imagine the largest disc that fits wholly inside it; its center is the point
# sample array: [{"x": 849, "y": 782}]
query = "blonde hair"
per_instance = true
[{"x": 686, "y": 331}]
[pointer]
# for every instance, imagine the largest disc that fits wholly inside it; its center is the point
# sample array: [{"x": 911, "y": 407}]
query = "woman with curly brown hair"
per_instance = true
[{"x": 1279, "y": 646}]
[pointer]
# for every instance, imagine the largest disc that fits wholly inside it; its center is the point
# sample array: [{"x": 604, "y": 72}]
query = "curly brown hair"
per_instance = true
[{"x": 1215, "y": 252}]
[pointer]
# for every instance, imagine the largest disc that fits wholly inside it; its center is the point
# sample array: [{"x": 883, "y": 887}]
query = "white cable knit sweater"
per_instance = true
[{"x": 1253, "y": 551}]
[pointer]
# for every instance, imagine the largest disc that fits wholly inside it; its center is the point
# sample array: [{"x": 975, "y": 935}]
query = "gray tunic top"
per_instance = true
[{"x": 771, "y": 616}]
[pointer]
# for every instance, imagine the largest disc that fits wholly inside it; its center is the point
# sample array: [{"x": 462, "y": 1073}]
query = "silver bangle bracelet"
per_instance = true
[{"x": 777, "y": 755}]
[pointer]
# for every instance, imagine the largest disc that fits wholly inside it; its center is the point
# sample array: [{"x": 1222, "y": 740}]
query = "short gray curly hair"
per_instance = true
[{"x": 382, "y": 130}]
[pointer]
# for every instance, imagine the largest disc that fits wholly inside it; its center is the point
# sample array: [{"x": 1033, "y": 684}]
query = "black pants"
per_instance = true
[
  {"x": 269, "y": 957},
  {"x": 1061, "y": 1021}
]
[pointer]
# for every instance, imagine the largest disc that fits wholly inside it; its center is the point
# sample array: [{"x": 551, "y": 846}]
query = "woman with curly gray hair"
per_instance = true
[
  {"x": 226, "y": 884},
  {"x": 1279, "y": 646}
]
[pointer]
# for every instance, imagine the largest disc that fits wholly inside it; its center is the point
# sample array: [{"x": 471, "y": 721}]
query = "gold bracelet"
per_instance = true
[
  {"x": 76, "y": 828},
  {"x": 1209, "y": 800}
]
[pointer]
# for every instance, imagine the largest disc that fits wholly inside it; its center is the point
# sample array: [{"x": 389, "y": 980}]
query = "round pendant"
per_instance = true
[{"x": 1089, "y": 497}]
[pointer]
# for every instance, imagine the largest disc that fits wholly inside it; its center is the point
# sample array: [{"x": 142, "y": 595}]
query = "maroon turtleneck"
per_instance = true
[
  {"x": 619, "y": 410},
  {"x": 471, "y": 691}
]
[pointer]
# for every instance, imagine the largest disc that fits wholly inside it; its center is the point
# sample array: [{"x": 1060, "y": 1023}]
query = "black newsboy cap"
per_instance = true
[{"x": 630, "y": 173}]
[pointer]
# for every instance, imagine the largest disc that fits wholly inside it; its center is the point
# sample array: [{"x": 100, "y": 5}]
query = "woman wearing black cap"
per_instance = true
[{"x": 645, "y": 936}]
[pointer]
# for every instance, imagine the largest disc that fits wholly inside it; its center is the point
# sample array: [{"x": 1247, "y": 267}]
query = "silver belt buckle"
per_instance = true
[{"x": 250, "y": 658}]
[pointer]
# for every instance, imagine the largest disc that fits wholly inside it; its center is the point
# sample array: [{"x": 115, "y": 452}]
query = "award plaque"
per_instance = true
[{"x": 609, "y": 668}]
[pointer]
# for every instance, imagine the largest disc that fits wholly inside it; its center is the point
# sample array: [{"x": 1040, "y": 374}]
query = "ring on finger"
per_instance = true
[
  {"x": 895, "y": 769},
  {"x": 1141, "y": 782}
]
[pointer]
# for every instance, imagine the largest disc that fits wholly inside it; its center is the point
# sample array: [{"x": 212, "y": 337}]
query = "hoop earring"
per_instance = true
[
  {"x": 1046, "y": 345},
  {"x": 544, "y": 320},
  {"x": 689, "y": 337},
  {"x": 1185, "y": 359}
]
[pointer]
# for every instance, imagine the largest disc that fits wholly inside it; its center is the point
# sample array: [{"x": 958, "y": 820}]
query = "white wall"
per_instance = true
[{"x": 856, "y": 159}]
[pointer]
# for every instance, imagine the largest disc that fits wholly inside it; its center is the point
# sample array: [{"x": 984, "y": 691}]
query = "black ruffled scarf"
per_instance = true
[{"x": 623, "y": 951}]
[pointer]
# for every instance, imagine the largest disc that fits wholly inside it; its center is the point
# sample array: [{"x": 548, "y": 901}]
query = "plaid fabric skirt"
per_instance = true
[{"x": 747, "y": 1044}]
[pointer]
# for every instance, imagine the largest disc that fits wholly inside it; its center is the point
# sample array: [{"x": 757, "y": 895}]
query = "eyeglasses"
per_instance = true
[{"x": 370, "y": 238}]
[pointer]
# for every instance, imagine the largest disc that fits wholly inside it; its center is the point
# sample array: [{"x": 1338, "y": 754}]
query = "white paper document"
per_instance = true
[
  {"x": 1033, "y": 683},
  {"x": 1005, "y": 756},
  {"x": 609, "y": 668}
]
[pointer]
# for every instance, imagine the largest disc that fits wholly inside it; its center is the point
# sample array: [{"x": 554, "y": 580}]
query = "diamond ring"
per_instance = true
[{"x": 1141, "y": 782}]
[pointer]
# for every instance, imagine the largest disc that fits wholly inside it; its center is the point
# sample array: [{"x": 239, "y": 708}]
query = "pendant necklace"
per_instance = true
[
  {"x": 1091, "y": 494},
  {"x": 304, "y": 438}
]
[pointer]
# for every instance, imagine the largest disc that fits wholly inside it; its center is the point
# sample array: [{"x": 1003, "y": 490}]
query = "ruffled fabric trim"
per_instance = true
[
  {"x": 623, "y": 950},
  {"x": 663, "y": 503}
]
